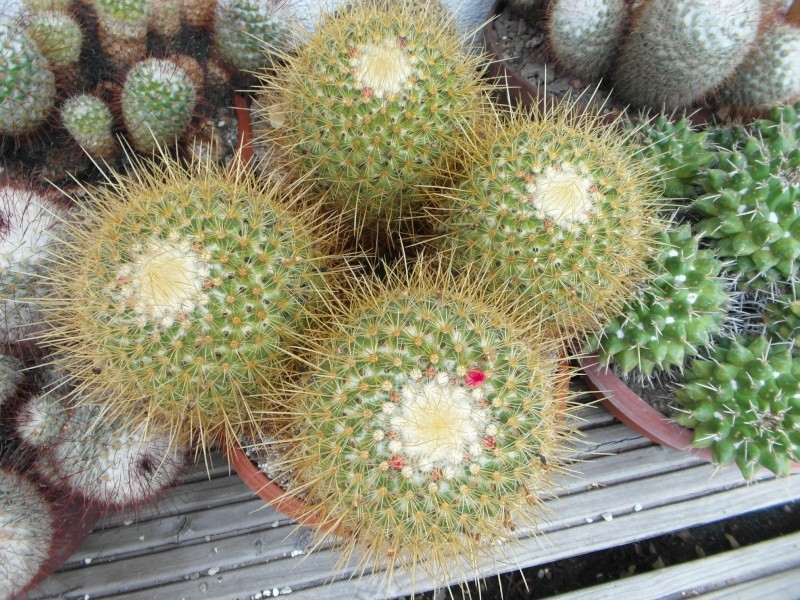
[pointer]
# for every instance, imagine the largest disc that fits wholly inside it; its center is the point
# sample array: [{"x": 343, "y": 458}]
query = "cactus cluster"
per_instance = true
[
  {"x": 675, "y": 316},
  {"x": 744, "y": 404},
  {"x": 426, "y": 424}
]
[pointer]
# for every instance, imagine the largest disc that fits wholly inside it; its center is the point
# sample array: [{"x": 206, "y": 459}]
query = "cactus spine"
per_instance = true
[{"x": 680, "y": 50}]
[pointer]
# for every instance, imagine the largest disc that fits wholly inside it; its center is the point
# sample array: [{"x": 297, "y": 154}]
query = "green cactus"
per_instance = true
[
  {"x": 374, "y": 105},
  {"x": 179, "y": 293},
  {"x": 247, "y": 33},
  {"x": 122, "y": 29},
  {"x": 679, "y": 152},
  {"x": 58, "y": 37},
  {"x": 89, "y": 121},
  {"x": 158, "y": 99},
  {"x": 32, "y": 225},
  {"x": 558, "y": 208},
  {"x": 28, "y": 526},
  {"x": 769, "y": 75},
  {"x": 678, "y": 51},
  {"x": 584, "y": 35},
  {"x": 744, "y": 404},
  {"x": 750, "y": 211},
  {"x": 782, "y": 318},
  {"x": 27, "y": 86},
  {"x": 674, "y": 316},
  {"x": 425, "y": 425}
]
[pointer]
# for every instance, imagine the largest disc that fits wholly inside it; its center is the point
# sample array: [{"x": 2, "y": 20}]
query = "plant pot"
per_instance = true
[
  {"x": 637, "y": 414},
  {"x": 244, "y": 139}
]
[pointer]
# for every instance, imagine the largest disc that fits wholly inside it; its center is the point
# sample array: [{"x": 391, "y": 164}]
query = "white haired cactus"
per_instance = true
[
  {"x": 158, "y": 100},
  {"x": 27, "y": 527},
  {"x": 30, "y": 225},
  {"x": 89, "y": 121},
  {"x": 584, "y": 34},
  {"x": 58, "y": 37},
  {"x": 10, "y": 377},
  {"x": 678, "y": 51},
  {"x": 27, "y": 85}
]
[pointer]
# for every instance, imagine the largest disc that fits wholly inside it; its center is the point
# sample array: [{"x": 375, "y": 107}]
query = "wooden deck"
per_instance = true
[{"x": 211, "y": 539}]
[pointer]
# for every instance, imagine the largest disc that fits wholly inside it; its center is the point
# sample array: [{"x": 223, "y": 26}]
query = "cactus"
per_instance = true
[
  {"x": 769, "y": 75},
  {"x": 27, "y": 86},
  {"x": 31, "y": 225},
  {"x": 375, "y": 104},
  {"x": 680, "y": 50},
  {"x": 584, "y": 35},
  {"x": 89, "y": 120},
  {"x": 10, "y": 377},
  {"x": 248, "y": 32},
  {"x": 750, "y": 211},
  {"x": 27, "y": 525},
  {"x": 559, "y": 208},
  {"x": 679, "y": 152},
  {"x": 782, "y": 319},
  {"x": 744, "y": 404},
  {"x": 122, "y": 29},
  {"x": 425, "y": 425},
  {"x": 180, "y": 290},
  {"x": 58, "y": 37},
  {"x": 674, "y": 316},
  {"x": 158, "y": 99}
]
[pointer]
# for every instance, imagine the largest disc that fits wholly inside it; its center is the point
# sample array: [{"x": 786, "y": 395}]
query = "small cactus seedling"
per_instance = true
[
  {"x": 89, "y": 121},
  {"x": 674, "y": 316},
  {"x": 158, "y": 100},
  {"x": 679, "y": 152},
  {"x": 180, "y": 289},
  {"x": 744, "y": 403},
  {"x": 374, "y": 105},
  {"x": 425, "y": 427},
  {"x": 248, "y": 32},
  {"x": 559, "y": 208},
  {"x": 680, "y": 50},
  {"x": 584, "y": 34},
  {"x": 769, "y": 75},
  {"x": 750, "y": 212},
  {"x": 30, "y": 224},
  {"x": 26, "y": 532},
  {"x": 27, "y": 86}
]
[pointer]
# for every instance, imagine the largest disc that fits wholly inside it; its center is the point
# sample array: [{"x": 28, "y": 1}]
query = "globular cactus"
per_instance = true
[
  {"x": 679, "y": 152},
  {"x": 248, "y": 33},
  {"x": 559, "y": 208},
  {"x": 750, "y": 211},
  {"x": 426, "y": 427},
  {"x": 10, "y": 377},
  {"x": 89, "y": 121},
  {"x": 27, "y": 527},
  {"x": 122, "y": 29},
  {"x": 678, "y": 51},
  {"x": 27, "y": 85},
  {"x": 158, "y": 100},
  {"x": 59, "y": 38},
  {"x": 782, "y": 320},
  {"x": 374, "y": 105},
  {"x": 179, "y": 292},
  {"x": 769, "y": 74},
  {"x": 584, "y": 35},
  {"x": 674, "y": 316},
  {"x": 62, "y": 6},
  {"x": 30, "y": 225},
  {"x": 744, "y": 404}
]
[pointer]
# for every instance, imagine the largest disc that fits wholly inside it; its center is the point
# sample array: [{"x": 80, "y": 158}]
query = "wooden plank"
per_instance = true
[
  {"x": 745, "y": 566},
  {"x": 781, "y": 586}
]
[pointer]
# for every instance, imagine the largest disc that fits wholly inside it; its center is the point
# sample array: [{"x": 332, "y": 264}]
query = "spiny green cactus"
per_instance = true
[
  {"x": 374, "y": 105},
  {"x": 559, "y": 208},
  {"x": 89, "y": 120},
  {"x": 248, "y": 32},
  {"x": 782, "y": 317},
  {"x": 158, "y": 99},
  {"x": 180, "y": 290},
  {"x": 122, "y": 29},
  {"x": 750, "y": 211},
  {"x": 58, "y": 37},
  {"x": 27, "y": 86},
  {"x": 679, "y": 152},
  {"x": 674, "y": 316},
  {"x": 10, "y": 377},
  {"x": 744, "y": 403},
  {"x": 27, "y": 526},
  {"x": 425, "y": 426},
  {"x": 584, "y": 34},
  {"x": 769, "y": 74},
  {"x": 31, "y": 225},
  {"x": 680, "y": 50}
]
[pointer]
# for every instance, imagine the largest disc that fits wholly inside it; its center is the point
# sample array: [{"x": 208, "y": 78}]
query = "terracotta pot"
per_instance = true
[
  {"x": 244, "y": 140},
  {"x": 637, "y": 414}
]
